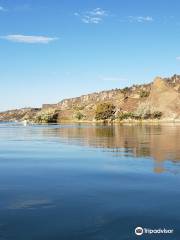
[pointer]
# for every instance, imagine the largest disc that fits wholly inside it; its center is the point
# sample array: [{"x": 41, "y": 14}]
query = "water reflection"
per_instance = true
[
  {"x": 87, "y": 181},
  {"x": 159, "y": 142}
]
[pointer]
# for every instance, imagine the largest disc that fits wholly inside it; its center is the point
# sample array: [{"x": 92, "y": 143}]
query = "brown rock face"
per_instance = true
[
  {"x": 165, "y": 98},
  {"x": 159, "y": 85},
  {"x": 19, "y": 114}
]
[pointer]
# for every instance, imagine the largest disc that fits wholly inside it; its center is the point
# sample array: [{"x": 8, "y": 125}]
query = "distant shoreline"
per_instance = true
[
  {"x": 114, "y": 122},
  {"x": 154, "y": 103}
]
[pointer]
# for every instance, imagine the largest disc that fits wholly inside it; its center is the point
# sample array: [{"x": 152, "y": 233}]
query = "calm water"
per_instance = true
[{"x": 85, "y": 182}]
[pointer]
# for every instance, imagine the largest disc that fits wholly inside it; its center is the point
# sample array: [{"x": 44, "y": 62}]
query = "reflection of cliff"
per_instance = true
[{"x": 158, "y": 142}]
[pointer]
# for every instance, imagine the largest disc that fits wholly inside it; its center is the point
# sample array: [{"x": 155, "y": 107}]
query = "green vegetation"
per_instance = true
[
  {"x": 156, "y": 115},
  {"x": 105, "y": 111},
  {"x": 78, "y": 108},
  {"x": 79, "y": 116},
  {"x": 46, "y": 117},
  {"x": 126, "y": 89},
  {"x": 125, "y": 115},
  {"x": 144, "y": 94},
  {"x": 144, "y": 111}
]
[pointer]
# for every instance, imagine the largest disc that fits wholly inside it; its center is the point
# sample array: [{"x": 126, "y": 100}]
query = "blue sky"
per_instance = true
[{"x": 55, "y": 49}]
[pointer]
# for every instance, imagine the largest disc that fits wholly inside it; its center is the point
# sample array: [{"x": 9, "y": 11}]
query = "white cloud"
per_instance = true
[
  {"x": 94, "y": 16},
  {"x": 28, "y": 39},
  {"x": 98, "y": 12},
  {"x": 88, "y": 19},
  {"x": 140, "y": 19},
  {"x": 178, "y": 58}
]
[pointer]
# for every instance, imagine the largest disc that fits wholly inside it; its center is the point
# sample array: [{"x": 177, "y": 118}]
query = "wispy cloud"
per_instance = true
[
  {"x": 140, "y": 19},
  {"x": 94, "y": 16},
  {"x": 98, "y": 12},
  {"x": 178, "y": 58},
  {"x": 28, "y": 39},
  {"x": 2, "y": 9},
  {"x": 88, "y": 19}
]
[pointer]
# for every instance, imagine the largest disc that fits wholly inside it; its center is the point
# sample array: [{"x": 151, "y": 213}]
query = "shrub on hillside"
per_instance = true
[
  {"x": 79, "y": 116},
  {"x": 143, "y": 111},
  {"x": 144, "y": 93},
  {"x": 78, "y": 108},
  {"x": 156, "y": 114},
  {"x": 45, "y": 117},
  {"x": 125, "y": 90},
  {"x": 104, "y": 111},
  {"x": 146, "y": 111},
  {"x": 125, "y": 115}
]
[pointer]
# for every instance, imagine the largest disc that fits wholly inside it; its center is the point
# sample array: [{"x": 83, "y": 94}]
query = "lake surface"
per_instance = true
[{"x": 88, "y": 182}]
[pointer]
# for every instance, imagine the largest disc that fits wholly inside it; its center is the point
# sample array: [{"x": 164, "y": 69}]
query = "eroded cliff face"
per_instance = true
[
  {"x": 19, "y": 114},
  {"x": 165, "y": 97},
  {"x": 125, "y": 100},
  {"x": 161, "y": 96}
]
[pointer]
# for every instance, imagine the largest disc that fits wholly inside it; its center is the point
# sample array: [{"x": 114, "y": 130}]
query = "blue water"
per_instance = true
[{"x": 88, "y": 182}]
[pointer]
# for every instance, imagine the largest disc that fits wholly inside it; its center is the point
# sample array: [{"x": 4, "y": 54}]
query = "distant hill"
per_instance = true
[{"x": 159, "y": 100}]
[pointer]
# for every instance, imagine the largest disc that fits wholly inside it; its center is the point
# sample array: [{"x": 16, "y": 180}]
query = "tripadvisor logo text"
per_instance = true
[{"x": 140, "y": 231}]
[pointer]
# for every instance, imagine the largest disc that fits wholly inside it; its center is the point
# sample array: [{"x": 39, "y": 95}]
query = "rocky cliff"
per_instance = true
[{"x": 157, "y": 100}]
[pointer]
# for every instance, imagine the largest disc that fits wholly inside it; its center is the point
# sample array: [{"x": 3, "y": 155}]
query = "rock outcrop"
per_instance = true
[
  {"x": 19, "y": 114},
  {"x": 165, "y": 98},
  {"x": 159, "y": 99}
]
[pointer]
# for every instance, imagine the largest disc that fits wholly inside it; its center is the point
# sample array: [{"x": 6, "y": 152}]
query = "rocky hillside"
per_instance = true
[
  {"x": 19, "y": 114},
  {"x": 157, "y": 100}
]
